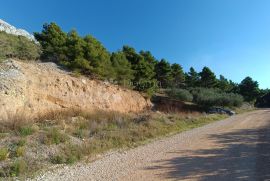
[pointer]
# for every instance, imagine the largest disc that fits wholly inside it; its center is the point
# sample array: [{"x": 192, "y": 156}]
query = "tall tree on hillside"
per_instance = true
[
  {"x": 144, "y": 74},
  {"x": 98, "y": 57},
  {"x": 53, "y": 42},
  {"x": 234, "y": 87},
  {"x": 163, "y": 73},
  {"x": 223, "y": 84},
  {"x": 192, "y": 78},
  {"x": 178, "y": 76},
  {"x": 249, "y": 89},
  {"x": 75, "y": 46},
  {"x": 122, "y": 68},
  {"x": 148, "y": 57},
  {"x": 131, "y": 55},
  {"x": 208, "y": 78},
  {"x": 75, "y": 53}
]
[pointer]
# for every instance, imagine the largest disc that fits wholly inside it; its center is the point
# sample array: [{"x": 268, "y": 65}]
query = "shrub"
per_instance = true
[
  {"x": 13, "y": 169},
  {"x": 215, "y": 97},
  {"x": 58, "y": 159},
  {"x": 180, "y": 94},
  {"x": 19, "y": 167},
  {"x": 25, "y": 131},
  {"x": 80, "y": 133},
  {"x": 21, "y": 142},
  {"x": 54, "y": 136},
  {"x": 3, "y": 153},
  {"x": 18, "y": 47},
  {"x": 69, "y": 154},
  {"x": 20, "y": 151}
]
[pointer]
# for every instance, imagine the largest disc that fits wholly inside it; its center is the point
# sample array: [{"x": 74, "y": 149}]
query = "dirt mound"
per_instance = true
[{"x": 38, "y": 88}]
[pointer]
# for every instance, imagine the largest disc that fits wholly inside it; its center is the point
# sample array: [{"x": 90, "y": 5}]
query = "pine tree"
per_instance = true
[
  {"x": 144, "y": 75},
  {"x": 192, "y": 78},
  {"x": 53, "y": 42},
  {"x": 163, "y": 73},
  {"x": 148, "y": 57},
  {"x": 223, "y": 84},
  {"x": 98, "y": 57},
  {"x": 178, "y": 76},
  {"x": 122, "y": 68},
  {"x": 249, "y": 89},
  {"x": 208, "y": 78}
]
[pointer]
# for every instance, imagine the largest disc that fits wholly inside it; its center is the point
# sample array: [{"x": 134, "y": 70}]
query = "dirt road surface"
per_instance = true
[{"x": 237, "y": 148}]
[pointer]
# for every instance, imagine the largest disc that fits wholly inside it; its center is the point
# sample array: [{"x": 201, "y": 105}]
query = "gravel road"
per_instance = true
[{"x": 237, "y": 148}]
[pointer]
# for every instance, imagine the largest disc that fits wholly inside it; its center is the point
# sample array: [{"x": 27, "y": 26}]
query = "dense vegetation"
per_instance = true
[
  {"x": 264, "y": 100},
  {"x": 209, "y": 97},
  {"x": 137, "y": 70},
  {"x": 18, "y": 47}
]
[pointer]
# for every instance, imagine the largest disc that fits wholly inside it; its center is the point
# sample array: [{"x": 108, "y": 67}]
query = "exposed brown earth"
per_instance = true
[
  {"x": 233, "y": 149},
  {"x": 38, "y": 88}
]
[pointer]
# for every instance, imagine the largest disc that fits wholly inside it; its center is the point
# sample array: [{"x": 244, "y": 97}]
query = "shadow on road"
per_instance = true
[{"x": 244, "y": 155}]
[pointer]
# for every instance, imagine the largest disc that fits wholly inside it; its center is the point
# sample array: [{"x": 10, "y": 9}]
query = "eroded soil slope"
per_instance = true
[{"x": 37, "y": 88}]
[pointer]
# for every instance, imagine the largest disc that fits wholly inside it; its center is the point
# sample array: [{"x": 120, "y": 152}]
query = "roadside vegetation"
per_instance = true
[{"x": 67, "y": 137}]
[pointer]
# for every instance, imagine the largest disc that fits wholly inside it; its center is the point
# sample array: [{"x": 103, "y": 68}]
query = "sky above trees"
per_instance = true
[{"x": 231, "y": 37}]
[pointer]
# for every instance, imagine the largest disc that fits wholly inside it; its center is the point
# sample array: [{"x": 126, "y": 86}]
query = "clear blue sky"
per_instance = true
[{"x": 232, "y": 37}]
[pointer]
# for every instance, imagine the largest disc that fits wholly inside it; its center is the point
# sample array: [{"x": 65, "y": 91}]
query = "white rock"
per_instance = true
[{"x": 9, "y": 29}]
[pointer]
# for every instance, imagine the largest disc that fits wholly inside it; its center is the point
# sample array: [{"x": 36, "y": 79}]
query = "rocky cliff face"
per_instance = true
[
  {"x": 38, "y": 88},
  {"x": 4, "y": 26}
]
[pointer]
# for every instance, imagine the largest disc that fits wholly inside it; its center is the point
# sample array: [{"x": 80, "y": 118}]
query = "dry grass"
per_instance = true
[{"x": 68, "y": 136}]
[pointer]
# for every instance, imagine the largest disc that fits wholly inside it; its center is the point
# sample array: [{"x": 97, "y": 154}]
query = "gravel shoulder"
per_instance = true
[{"x": 236, "y": 148}]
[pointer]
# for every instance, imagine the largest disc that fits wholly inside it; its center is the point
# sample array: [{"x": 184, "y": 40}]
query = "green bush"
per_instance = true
[
  {"x": 18, "y": 47},
  {"x": 21, "y": 142},
  {"x": 215, "y": 97},
  {"x": 20, "y": 151},
  {"x": 3, "y": 153},
  {"x": 180, "y": 94}
]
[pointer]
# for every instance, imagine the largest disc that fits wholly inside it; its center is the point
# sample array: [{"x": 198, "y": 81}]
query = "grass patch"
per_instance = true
[
  {"x": 54, "y": 136},
  {"x": 18, "y": 168},
  {"x": 69, "y": 154},
  {"x": 25, "y": 131}
]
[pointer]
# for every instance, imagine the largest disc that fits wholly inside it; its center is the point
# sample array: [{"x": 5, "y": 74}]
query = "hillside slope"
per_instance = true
[{"x": 38, "y": 88}]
